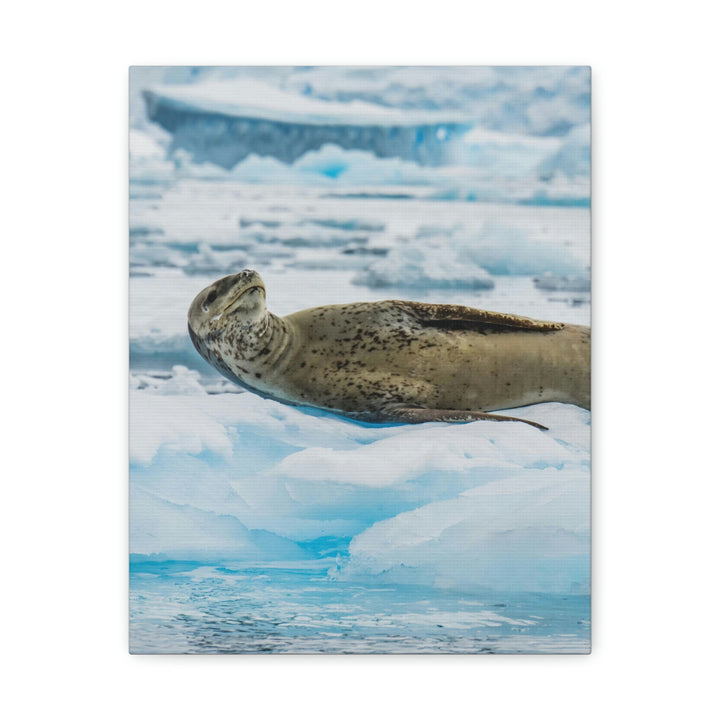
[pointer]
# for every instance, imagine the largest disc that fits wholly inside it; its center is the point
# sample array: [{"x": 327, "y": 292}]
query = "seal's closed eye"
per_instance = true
[{"x": 209, "y": 299}]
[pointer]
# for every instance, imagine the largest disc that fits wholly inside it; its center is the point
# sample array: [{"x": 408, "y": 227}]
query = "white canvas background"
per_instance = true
[{"x": 64, "y": 355}]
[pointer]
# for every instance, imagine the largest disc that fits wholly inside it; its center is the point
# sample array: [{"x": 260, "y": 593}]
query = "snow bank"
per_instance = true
[{"x": 238, "y": 463}]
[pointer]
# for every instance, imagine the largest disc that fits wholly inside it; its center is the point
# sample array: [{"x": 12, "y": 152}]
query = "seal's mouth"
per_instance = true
[{"x": 240, "y": 295}]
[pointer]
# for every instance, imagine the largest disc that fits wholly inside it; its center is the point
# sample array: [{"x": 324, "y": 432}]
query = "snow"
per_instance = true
[{"x": 303, "y": 474}]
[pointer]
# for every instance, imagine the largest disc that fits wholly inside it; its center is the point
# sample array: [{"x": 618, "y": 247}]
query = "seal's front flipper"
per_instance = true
[
  {"x": 459, "y": 317},
  {"x": 409, "y": 414}
]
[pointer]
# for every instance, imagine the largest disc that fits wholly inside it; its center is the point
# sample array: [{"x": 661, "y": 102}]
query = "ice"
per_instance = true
[
  {"x": 164, "y": 530},
  {"x": 499, "y": 168},
  {"x": 464, "y": 256},
  {"x": 159, "y": 306},
  {"x": 525, "y": 532},
  {"x": 574, "y": 283},
  {"x": 427, "y": 450},
  {"x": 304, "y": 474},
  {"x": 180, "y": 381},
  {"x": 510, "y": 134},
  {"x": 572, "y": 157},
  {"x": 360, "y": 167},
  {"x": 225, "y": 122},
  {"x": 215, "y": 261},
  {"x": 201, "y": 227},
  {"x": 251, "y": 98},
  {"x": 148, "y": 158},
  {"x": 423, "y": 268},
  {"x": 504, "y": 249},
  {"x": 504, "y": 154},
  {"x": 528, "y": 100}
]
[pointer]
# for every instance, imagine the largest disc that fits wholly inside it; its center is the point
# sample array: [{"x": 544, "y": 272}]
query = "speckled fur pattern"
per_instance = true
[{"x": 390, "y": 361}]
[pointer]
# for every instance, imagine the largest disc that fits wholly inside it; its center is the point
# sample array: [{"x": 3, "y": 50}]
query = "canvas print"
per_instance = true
[{"x": 359, "y": 360}]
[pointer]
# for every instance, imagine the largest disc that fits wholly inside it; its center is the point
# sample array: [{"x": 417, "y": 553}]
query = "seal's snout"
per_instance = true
[
  {"x": 242, "y": 293},
  {"x": 245, "y": 282}
]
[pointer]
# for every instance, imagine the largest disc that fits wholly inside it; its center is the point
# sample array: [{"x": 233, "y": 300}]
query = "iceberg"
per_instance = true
[{"x": 225, "y": 122}]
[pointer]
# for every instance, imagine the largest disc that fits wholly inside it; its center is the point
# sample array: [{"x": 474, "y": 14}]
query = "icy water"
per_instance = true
[
  {"x": 192, "y": 608},
  {"x": 258, "y": 527}
]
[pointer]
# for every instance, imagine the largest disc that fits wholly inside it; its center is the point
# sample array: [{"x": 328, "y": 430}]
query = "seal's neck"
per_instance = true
[{"x": 263, "y": 342}]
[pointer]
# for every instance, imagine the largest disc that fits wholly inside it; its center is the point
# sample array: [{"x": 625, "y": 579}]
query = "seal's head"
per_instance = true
[{"x": 237, "y": 300}]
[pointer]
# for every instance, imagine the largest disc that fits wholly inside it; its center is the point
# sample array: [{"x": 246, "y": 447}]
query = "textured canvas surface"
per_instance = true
[{"x": 259, "y": 526}]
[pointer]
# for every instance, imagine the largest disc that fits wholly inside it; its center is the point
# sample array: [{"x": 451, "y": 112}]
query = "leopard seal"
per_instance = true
[{"x": 392, "y": 361}]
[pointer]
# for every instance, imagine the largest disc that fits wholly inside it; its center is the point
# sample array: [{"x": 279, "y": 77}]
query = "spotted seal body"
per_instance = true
[{"x": 389, "y": 361}]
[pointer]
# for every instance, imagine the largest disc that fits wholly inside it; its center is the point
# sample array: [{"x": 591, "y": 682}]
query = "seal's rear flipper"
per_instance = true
[{"x": 409, "y": 414}]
